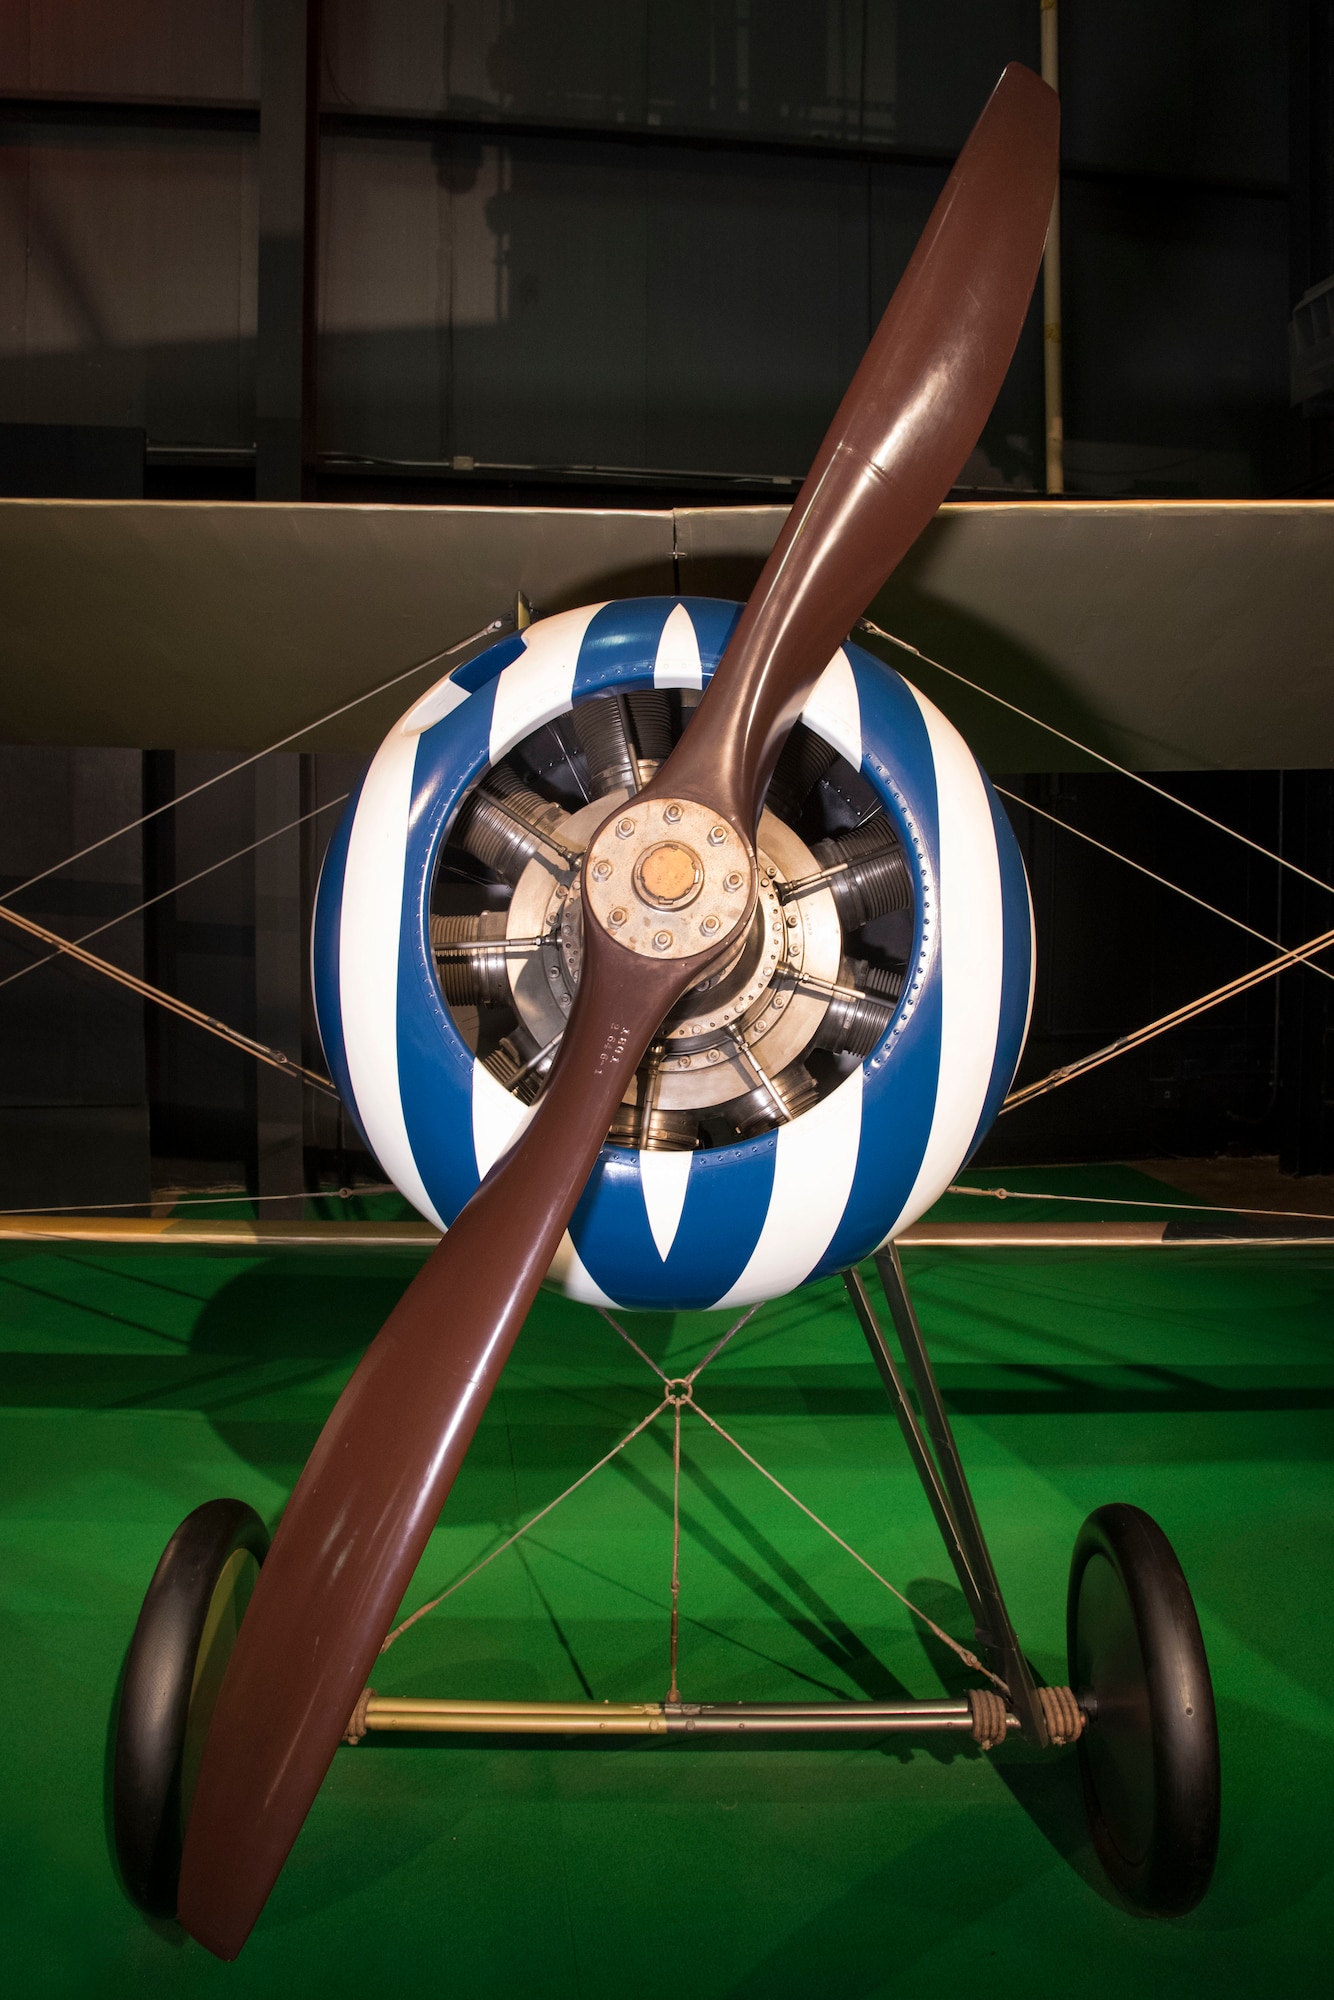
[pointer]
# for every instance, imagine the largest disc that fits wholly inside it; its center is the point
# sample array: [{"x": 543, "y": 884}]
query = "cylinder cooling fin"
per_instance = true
[{"x": 810, "y": 1097}]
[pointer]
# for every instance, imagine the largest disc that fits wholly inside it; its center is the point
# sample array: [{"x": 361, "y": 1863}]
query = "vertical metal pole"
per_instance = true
[
  {"x": 289, "y": 140},
  {"x": 1000, "y": 1632},
  {"x": 1051, "y": 286},
  {"x": 673, "y": 1691}
]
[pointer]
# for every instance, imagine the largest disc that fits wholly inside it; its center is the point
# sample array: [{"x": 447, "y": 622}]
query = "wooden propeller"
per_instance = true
[{"x": 370, "y": 1495}]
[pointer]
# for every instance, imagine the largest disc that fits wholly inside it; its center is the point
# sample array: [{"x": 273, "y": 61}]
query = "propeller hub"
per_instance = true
[
  {"x": 673, "y": 860},
  {"x": 669, "y": 876}
]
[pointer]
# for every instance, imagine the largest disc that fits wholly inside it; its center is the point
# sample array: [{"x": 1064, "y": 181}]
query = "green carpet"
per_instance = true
[{"x": 1198, "y": 1384}]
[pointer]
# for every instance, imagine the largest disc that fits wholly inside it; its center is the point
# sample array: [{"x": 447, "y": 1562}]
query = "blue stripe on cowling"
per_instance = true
[
  {"x": 714, "y": 619},
  {"x": 434, "y": 1063},
  {"x": 727, "y": 1199},
  {"x": 1016, "y": 967},
  {"x": 487, "y": 666},
  {"x": 325, "y": 942},
  {"x": 620, "y": 645},
  {"x": 901, "y": 1078}
]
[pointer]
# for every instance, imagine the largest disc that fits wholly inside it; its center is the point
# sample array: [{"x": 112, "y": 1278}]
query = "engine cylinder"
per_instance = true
[
  {"x": 500, "y": 824},
  {"x": 662, "y": 1132},
  {"x": 802, "y": 762},
  {"x": 858, "y": 1018},
  {"x": 602, "y": 727},
  {"x": 794, "y": 1088},
  {"x": 471, "y": 978},
  {"x": 520, "y": 1065},
  {"x": 872, "y": 877},
  {"x": 651, "y": 719}
]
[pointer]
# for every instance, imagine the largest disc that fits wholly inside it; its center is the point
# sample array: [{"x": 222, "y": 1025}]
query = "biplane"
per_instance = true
[{"x": 673, "y": 951}]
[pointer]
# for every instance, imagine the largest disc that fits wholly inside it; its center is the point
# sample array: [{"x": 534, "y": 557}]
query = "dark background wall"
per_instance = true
[
  {"x": 629, "y": 234},
  {"x": 515, "y": 249}
]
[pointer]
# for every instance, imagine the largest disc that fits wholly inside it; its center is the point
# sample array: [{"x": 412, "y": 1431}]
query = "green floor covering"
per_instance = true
[{"x": 1195, "y": 1383}]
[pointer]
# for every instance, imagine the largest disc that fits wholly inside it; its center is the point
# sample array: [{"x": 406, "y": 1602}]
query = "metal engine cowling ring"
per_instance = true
[{"x": 730, "y": 1223}]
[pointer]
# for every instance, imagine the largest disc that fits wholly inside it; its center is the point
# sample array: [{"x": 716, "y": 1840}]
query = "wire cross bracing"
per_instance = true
[
  {"x": 679, "y": 1396},
  {"x": 209, "y": 1023}
]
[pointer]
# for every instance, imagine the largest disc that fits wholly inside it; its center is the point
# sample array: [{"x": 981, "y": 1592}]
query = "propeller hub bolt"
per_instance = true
[
  {"x": 717, "y": 835},
  {"x": 601, "y": 870},
  {"x": 671, "y": 814},
  {"x": 733, "y": 882},
  {"x": 624, "y": 828},
  {"x": 662, "y": 941},
  {"x": 709, "y": 925},
  {"x": 617, "y": 917}
]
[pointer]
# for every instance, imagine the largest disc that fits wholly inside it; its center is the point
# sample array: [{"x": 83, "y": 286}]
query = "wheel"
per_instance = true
[
  {"x": 1149, "y": 1753},
  {"x": 173, "y": 1672}
]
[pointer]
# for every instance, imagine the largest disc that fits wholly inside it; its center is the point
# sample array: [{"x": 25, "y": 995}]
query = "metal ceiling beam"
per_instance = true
[
  {"x": 289, "y": 151},
  {"x": 204, "y": 114}
]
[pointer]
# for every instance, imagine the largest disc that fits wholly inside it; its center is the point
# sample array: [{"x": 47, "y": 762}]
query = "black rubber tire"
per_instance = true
[
  {"x": 155, "y": 1710},
  {"x": 1149, "y": 1755}
]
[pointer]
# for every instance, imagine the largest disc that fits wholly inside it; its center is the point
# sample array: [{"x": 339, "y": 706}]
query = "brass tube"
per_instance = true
[
  {"x": 651, "y": 1718},
  {"x": 518, "y": 1718},
  {"x": 172, "y": 1232}
]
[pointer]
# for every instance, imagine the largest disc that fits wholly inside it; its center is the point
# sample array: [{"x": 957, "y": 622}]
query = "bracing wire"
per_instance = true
[
  {"x": 124, "y": 915},
  {"x": 82, "y": 1208},
  {"x": 1140, "y": 869},
  {"x": 679, "y": 1396},
  {"x": 74, "y": 949},
  {"x": 1128, "y": 1201},
  {"x": 306, "y": 729},
  {"x": 1151, "y": 1029},
  {"x": 1086, "y": 750},
  {"x": 274, "y": 1058},
  {"x": 1299, "y": 955}
]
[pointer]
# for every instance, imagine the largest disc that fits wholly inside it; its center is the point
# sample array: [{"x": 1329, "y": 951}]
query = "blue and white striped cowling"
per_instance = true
[{"x": 727, "y": 1225}]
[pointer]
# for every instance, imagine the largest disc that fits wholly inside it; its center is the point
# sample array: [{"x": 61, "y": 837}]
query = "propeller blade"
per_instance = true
[
  {"x": 360, "y": 1515},
  {"x": 363, "y": 1508},
  {"x": 913, "y": 412}
]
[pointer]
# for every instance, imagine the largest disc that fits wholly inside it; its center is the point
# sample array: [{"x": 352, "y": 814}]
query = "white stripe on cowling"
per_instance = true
[
  {"x": 570, "y": 1273},
  {"x": 435, "y": 704},
  {"x": 539, "y": 685},
  {"x": 497, "y": 1118},
  {"x": 678, "y": 664},
  {"x": 834, "y": 711},
  {"x": 971, "y": 948},
  {"x": 664, "y": 1178},
  {"x": 368, "y": 945},
  {"x": 813, "y": 1174}
]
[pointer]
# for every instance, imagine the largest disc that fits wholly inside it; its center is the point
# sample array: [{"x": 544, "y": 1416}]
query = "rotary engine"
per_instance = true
[{"x": 808, "y": 992}]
